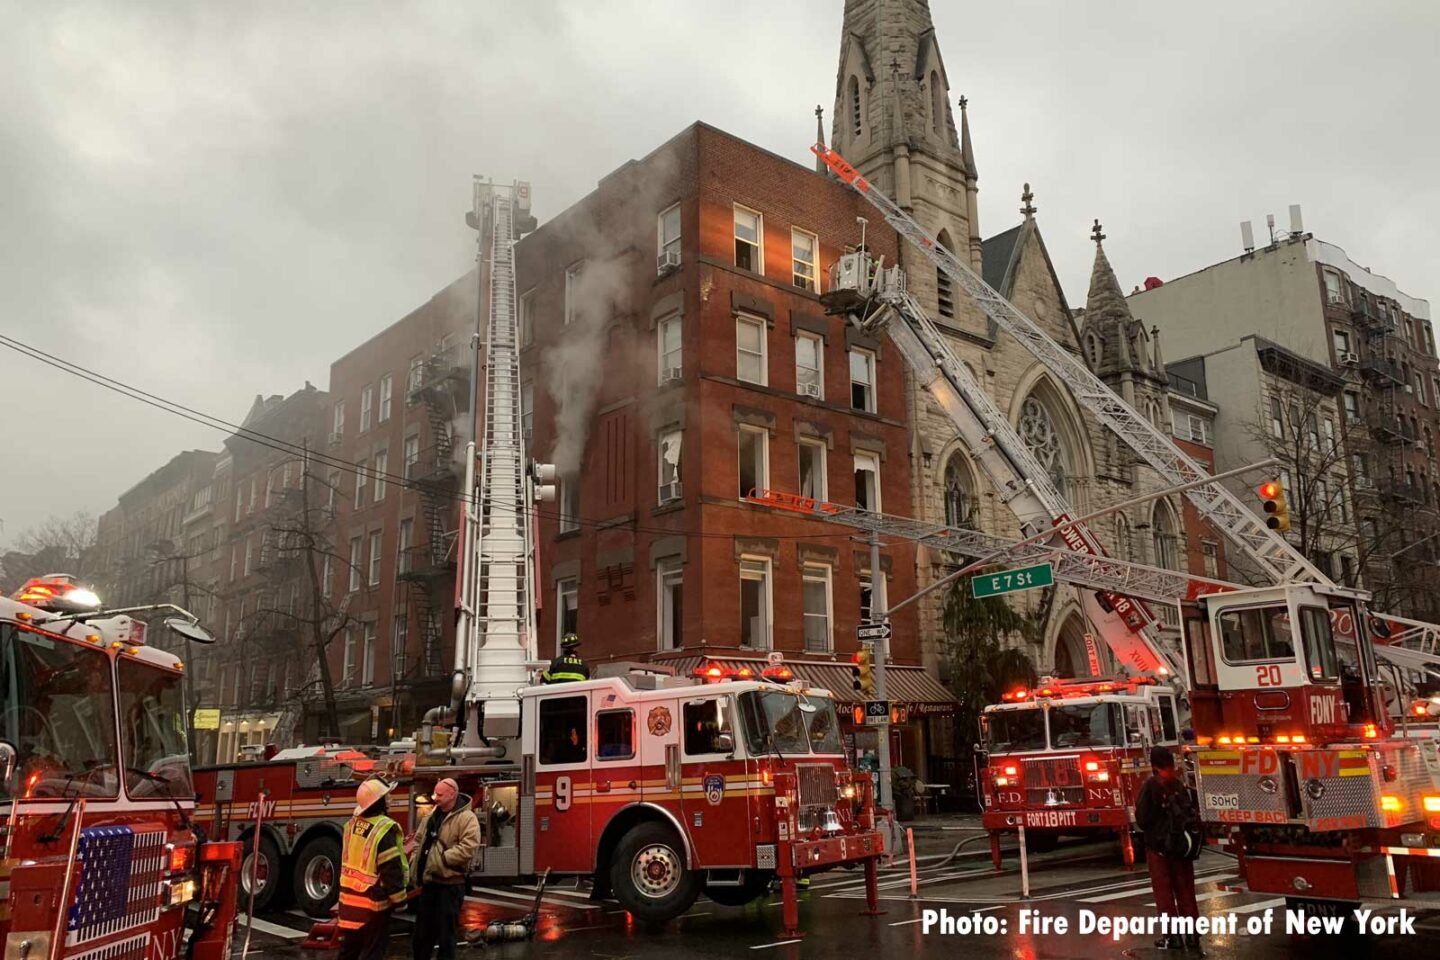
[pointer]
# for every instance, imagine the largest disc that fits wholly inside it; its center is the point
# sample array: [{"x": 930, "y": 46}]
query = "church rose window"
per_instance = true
[{"x": 1040, "y": 435}]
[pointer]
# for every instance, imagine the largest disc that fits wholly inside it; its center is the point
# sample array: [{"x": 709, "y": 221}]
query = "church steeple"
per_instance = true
[
  {"x": 1117, "y": 345},
  {"x": 894, "y": 122},
  {"x": 820, "y": 137}
]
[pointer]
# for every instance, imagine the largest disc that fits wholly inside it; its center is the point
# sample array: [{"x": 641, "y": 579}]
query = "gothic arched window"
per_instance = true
[
  {"x": 1124, "y": 547},
  {"x": 959, "y": 497},
  {"x": 1092, "y": 347},
  {"x": 937, "y": 104},
  {"x": 853, "y": 94},
  {"x": 1038, "y": 430},
  {"x": 1167, "y": 536},
  {"x": 944, "y": 289}
]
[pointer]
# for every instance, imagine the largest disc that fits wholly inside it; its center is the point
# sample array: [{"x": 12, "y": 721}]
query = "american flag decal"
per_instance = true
[
  {"x": 120, "y": 879},
  {"x": 132, "y": 948}
]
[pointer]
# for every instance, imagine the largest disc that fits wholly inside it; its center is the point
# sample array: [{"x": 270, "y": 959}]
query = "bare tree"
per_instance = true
[{"x": 61, "y": 542}]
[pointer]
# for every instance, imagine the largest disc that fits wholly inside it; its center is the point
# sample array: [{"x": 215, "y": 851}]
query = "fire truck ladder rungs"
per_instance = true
[{"x": 1276, "y": 557}]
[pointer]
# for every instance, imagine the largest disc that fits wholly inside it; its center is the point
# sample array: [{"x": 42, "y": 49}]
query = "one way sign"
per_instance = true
[{"x": 870, "y": 631}]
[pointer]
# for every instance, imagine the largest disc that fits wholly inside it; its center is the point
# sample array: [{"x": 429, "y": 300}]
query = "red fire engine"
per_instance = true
[
  {"x": 100, "y": 856},
  {"x": 1070, "y": 756}
]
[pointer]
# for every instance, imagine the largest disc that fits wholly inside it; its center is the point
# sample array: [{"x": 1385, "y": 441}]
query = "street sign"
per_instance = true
[
  {"x": 870, "y": 631},
  {"x": 1010, "y": 581},
  {"x": 207, "y": 719},
  {"x": 877, "y": 713}
]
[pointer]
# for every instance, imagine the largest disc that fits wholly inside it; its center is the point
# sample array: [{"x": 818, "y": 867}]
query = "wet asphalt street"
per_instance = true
[{"x": 1066, "y": 884}]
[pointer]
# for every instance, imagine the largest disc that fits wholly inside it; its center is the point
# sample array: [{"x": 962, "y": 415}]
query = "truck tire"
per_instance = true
[
  {"x": 755, "y": 884},
  {"x": 317, "y": 876},
  {"x": 270, "y": 875},
  {"x": 649, "y": 875}
]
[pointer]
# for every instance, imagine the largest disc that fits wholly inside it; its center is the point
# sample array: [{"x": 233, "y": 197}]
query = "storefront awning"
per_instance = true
[{"x": 905, "y": 684}]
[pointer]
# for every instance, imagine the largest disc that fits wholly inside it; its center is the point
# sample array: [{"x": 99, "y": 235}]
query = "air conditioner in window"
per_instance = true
[
  {"x": 667, "y": 260},
  {"x": 670, "y": 491},
  {"x": 810, "y": 390},
  {"x": 336, "y": 437},
  {"x": 670, "y": 375},
  {"x": 1409, "y": 388},
  {"x": 1349, "y": 359}
]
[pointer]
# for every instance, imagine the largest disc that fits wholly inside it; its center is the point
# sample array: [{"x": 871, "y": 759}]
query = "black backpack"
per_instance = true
[{"x": 1181, "y": 837}]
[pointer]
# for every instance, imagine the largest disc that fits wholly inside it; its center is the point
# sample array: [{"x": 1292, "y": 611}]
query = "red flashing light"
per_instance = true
[
  {"x": 745, "y": 673},
  {"x": 1091, "y": 766},
  {"x": 1270, "y": 490},
  {"x": 181, "y": 858},
  {"x": 859, "y": 715},
  {"x": 778, "y": 672},
  {"x": 1011, "y": 771},
  {"x": 1371, "y": 732},
  {"x": 1021, "y": 694}
]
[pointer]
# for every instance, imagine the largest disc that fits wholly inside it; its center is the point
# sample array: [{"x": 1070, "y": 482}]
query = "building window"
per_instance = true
[
  {"x": 375, "y": 558},
  {"x": 338, "y": 427},
  {"x": 944, "y": 286},
  {"x": 527, "y": 409},
  {"x": 1420, "y": 389},
  {"x": 239, "y": 502},
  {"x": 668, "y": 349},
  {"x": 1361, "y": 465},
  {"x": 269, "y": 490},
  {"x": 382, "y": 464},
  {"x": 867, "y": 482},
  {"x": 811, "y": 455},
  {"x": 402, "y": 546},
  {"x": 412, "y": 456},
  {"x": 1197, "y": 429},
  {"x": 804, "y": 251},
  {"x": 387, "y": 385},
  {"x": 749, "y": 240},
  {"x": 525, "y": 317},
  {"x": 359, "y": 483},
  {"x": 810, "y": 366},
  {"x": 357, "y": 551},
  {"x": 862, "y": 380},
  {"x": 572, "y": 291},
  {"x": 1342, "y": 343},
  {"x": 853, "y": 89},
  {"x": 367, "y": 670},
  {"x": 670, "y": 582},
  {"x": 960, "y": 505},
  {"x": 1166, "y": 535},
  {"x": 667, "y": 240},
  {"x": 1347, "y": 570},
  {"x": 867, "y": 597},
  {"x": 248, "y": 554},
  {"x": 1277, "y": 421},
  {"x": 669, "y": 465},
  {"x": 937, "y": 103},
  {"x": 1334, "y": 288},
  {"x": 327, "y": 575},
  {"x": 755, "y": 603},
  {"x": 367, "y": 402},
  {"x": 347, "y": 666},
  {"x": 754, "y": 444},
  {"x": 1350, "y": 399},
  {"x": 567, "y": 608},
  {"x": 817, "y": 608},
  {"x": 750, "y": 350},
  {"x": 569, "y": 503},
  {"x": 400, "y": 639}
]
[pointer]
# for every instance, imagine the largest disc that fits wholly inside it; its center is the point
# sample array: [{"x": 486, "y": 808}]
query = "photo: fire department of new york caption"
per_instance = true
[{"x": 1035, "y": 922}]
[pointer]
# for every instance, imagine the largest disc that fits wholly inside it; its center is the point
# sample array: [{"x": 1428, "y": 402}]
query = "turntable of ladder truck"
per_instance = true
[
  {"x": 100, "y": 854},
  {"x": 1069, "y": 757}
]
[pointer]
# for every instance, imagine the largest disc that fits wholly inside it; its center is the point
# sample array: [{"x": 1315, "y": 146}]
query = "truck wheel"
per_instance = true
[
  {"x": 317, "y": 877},
  {"x": 756, "y": 882},
  {"x": 649, "y": 875},
  {"x": 268, "y": 873}
]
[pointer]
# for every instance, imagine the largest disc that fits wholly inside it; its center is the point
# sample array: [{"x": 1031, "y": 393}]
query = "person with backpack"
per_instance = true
[{"x": 1165, "y": 812}]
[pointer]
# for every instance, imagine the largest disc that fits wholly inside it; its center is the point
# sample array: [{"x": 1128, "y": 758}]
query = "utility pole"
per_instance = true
[{"x": 878, "y": 614}]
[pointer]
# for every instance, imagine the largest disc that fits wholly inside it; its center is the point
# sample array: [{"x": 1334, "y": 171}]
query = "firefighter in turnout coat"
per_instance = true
[
  {"x": 569, "y": 666},
  {"x": 373, "y": 873}
]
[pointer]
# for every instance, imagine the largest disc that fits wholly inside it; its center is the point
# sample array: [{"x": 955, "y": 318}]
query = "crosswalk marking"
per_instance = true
[
  {"x": 1142, "y": 887},
  {"x": 276, "y": 930}
]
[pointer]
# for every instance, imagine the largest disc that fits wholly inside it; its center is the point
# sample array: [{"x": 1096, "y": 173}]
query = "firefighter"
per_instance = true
[
  {"x": 373, "y": 873},
  {"x": 569, "y": 666}
]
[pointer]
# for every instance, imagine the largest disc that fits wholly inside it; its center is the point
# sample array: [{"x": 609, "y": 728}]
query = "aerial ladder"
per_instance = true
[{"x": 495, "y": 645}]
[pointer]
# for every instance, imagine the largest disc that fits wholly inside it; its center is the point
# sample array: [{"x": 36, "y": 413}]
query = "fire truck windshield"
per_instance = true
[
  {"x": 58, "y": 714},
  {"x": 1007, "y": 731},
  {"x": 1085, "y": 725},
  {"x": 780, "y": 721},
  {"x": 152, "y": 721}
]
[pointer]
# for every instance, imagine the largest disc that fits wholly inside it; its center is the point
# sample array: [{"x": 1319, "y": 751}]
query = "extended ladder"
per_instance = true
[{"x": 1276, "y": 557}]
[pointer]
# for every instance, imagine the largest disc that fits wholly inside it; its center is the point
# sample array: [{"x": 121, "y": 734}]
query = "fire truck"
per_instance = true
[
  {"x": 1070, "y": 756},
  {"x": 100, "y": 854},
  {"x": 1299, "y": 766}
]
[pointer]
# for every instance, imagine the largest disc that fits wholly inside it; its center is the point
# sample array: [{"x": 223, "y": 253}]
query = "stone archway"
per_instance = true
[{"x": 1072, "y": 658}]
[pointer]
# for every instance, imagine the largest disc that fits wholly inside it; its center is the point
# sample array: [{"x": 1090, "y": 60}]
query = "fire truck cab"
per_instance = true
[
  {"x": 660, "y": 786},
  {"x": 1070, "y": 756},
  {"x": 1300, "y": 769}
]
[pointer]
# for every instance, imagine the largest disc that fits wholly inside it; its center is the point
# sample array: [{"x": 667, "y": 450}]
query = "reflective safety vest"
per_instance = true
[
  {"x": 372, "y": 859},
  {"x": 566, "y": 669}
]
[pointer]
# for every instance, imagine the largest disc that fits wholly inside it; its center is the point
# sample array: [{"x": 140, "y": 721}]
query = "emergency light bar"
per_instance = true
[{"x": 57, "y": 593}]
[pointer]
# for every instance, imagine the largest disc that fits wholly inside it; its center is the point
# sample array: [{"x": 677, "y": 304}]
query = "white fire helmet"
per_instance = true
[{"x": 370, "y": 791}]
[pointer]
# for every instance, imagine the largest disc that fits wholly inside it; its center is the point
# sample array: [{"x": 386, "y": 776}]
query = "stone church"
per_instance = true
[{"x": 893, "y": 120}]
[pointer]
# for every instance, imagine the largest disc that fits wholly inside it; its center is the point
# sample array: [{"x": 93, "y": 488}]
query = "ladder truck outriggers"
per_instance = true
[
  {"x": 1300, "y": 769},
  {"x": 656, "y": 786},
  {"x": 99, "y": 854}
]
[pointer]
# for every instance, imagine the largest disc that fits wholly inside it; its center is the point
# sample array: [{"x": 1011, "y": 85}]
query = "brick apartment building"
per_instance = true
[
  {"x": 1192, "y": 425},
  {"x": 678, "y": 358},
  {"x": 1355, "y": 433}
]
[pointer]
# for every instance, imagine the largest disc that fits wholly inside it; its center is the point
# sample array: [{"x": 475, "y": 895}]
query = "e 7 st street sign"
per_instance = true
[{"x": 1012, "y": 581}]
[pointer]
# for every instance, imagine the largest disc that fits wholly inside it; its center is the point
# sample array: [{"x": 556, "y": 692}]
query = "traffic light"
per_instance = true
[
  {"x": 1277, "y": 512},
  {"x": 862, "y": 671}
]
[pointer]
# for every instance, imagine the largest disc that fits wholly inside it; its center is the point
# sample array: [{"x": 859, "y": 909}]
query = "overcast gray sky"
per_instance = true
[{"x": 216, "y": 200}]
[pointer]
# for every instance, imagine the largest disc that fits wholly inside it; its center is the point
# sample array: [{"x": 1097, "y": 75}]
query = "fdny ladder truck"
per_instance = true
[
  {"x": 1300, "y": 769},
  {"x": 99, "y": 857}
]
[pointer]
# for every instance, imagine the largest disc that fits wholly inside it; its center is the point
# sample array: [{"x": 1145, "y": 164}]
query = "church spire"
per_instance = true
[
  {"x": 1106, "y": 301},
  {"x": 1027, "y": 198},
  {"x": 967, "y": 152}
]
